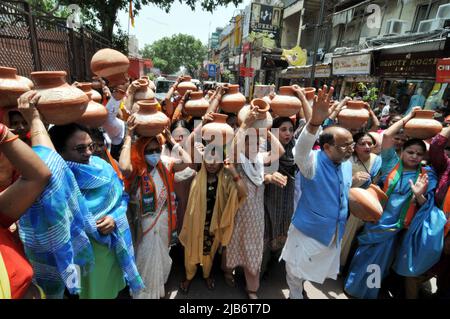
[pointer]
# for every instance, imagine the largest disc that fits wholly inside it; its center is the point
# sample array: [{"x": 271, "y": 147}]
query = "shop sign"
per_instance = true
[
  {"x": 247, "y": 72},
  {"x": 443, "y": 71},
  {"x": 352, "y": 64},
  {"x": 266, "y": 18},
  {"x": 322, "y": 71},
  {"x": 418, "y": 64}
]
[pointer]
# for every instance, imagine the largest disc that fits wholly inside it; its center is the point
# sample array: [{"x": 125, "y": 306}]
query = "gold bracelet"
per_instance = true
[{"x": 12, "y": 139}]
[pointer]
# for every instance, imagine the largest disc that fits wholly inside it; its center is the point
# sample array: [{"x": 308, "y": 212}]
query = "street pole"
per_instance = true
[{"x": 316, "y": 41}]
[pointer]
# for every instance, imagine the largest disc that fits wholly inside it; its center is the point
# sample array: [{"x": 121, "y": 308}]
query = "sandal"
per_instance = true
[
  {"x": 184, "y": 286},
  {"x": 229, "y": 279},
  {"x": 210, "y": 283}
]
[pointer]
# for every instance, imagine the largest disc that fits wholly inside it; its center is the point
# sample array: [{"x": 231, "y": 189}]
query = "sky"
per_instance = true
[{"x": 153, "y": 23}]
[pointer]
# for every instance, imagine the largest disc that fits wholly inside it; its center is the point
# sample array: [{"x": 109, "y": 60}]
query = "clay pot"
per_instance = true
[
  {"x": 354, "y": 116},
  {"x": 286, "y": 103},
  {"x": 87, "y": 87},
  {"x": 186, "y": 85},
  {"x": 310, "y": 93},
  {"x": 264, "y": 119},
  {"x": 96, "y": 114},
  {"x": 218, "y": 132},
  {"x": 12, "y": 86},
  {"x": 197, "y": 105},
  {"x": 365, "y": 203},
  {"x": 143, "y": 92},
  {"x": 233, "y": 100},
  {"x": 112, "y": 65},
  {"x": 60, "y": 103},
  {"x": 150, "y": 122},
  {"x": 423, "y": 125},
  {"x": 151, "y": 84}
]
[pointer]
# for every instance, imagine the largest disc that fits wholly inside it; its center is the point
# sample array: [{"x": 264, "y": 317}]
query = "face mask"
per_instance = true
[{"x": 153, "y": 159}]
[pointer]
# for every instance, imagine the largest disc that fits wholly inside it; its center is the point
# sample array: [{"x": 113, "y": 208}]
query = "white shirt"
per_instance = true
[{"x": 304, "y": 156}]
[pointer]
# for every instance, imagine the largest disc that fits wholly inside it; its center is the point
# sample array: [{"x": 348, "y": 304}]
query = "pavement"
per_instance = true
[{"x": 272, "y": 285}]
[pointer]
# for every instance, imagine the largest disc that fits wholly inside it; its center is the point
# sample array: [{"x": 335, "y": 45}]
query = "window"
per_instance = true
[{"x": 421, "y": 14}]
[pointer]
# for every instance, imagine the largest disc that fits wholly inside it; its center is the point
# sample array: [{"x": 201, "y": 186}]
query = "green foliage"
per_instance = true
[
  {"x": 369, "y": 95},
  {"x": 180, "y": 50},
  {"x": 102, "y": 15}
]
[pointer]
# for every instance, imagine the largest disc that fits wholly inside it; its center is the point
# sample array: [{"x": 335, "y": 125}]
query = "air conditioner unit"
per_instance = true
[
  {"x": 395, "y": 27},
  {"x": 431, "y": 25},
  {"x": 443, "y": 11}
]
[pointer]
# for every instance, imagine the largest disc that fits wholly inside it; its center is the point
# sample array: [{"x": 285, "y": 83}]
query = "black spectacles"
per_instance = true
[{"x": 82, "y": 148}]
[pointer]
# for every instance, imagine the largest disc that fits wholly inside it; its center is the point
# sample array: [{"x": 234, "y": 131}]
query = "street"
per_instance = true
[{"x": 273, "y": 284}]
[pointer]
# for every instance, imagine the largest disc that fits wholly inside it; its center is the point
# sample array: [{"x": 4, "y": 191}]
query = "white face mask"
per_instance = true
[{"x": 153, "y": 159}]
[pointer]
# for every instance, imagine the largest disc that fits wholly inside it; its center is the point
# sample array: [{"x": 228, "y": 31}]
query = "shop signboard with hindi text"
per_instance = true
[
  {"x": 408, "y": 65},
  {"x": 352, "y": 64},
  {"x": 443, "y": 71}
]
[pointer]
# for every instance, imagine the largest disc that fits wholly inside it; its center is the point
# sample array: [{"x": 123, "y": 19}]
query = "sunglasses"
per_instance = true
[{"x": 81, "y": 149}]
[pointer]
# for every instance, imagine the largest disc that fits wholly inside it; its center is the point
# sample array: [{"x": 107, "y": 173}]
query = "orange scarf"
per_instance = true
[{"x": 142, "y": 176}]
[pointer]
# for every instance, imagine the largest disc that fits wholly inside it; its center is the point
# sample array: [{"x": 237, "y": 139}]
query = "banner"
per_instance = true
[
  {"x": 352, "y": 64},
  {"x": 266, "y": 18},
  {"x": 443, "y": 70}
]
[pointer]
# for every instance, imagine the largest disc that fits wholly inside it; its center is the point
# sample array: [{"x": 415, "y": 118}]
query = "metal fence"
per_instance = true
[{"x": 30, "y": 41}]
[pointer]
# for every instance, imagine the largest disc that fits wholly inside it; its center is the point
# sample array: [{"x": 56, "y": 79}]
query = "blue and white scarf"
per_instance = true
[
  {"x": 53, "y": 230},
  {"x": 104, "y": 195}
]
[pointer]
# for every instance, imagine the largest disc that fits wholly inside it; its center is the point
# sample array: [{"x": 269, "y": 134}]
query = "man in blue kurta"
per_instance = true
[{"x": 312, "y": 248}]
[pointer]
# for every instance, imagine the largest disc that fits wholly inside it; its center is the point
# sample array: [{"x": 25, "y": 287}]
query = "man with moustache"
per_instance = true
[{"x": 313, "y": 245}]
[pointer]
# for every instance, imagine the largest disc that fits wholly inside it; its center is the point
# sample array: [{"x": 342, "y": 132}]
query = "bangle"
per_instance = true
[
  {"x": 236, "y": 178},
  {"x": 15, "y": 137}
]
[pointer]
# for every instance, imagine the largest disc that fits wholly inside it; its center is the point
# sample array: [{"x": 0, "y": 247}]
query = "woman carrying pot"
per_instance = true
[
  {"x": 408, "y": 236},
  {"x": 16, "y": 272},
  {"x": 149, "y": 180},
  {"x": 365, "y": 169},
  {"x": 247, "y": 241}
]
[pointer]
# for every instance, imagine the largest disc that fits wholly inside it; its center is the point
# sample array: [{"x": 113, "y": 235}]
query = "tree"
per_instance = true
[
  {"x": 180, "y": 50},
  {"x": 102, "y": 14}
]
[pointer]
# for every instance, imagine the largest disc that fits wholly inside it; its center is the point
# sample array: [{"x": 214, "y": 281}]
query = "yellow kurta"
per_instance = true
[{"x": 222, "y": 222}]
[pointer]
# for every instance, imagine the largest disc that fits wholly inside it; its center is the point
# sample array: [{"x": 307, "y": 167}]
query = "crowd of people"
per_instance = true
[{"x": 94, "y": 212}]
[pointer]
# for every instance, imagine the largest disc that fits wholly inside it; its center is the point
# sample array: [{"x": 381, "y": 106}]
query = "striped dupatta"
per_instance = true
[{"x": 410, "y": 208}]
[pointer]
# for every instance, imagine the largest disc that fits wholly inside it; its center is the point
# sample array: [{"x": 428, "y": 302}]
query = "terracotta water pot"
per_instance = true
[
  {"x": 264, "y": 119},
  {"x": 233, "y": 100},
  {"x": 87, "y": 87},
  {"x": 60, "y": 103},
  {"x": 310, "y": 93},
  {"x": 144, "y": 92},
  {"x": 112, "y": 65},
  {"x": 12, "y": 86},
  {"x": 150, "y": 122},
  {"x": 96, "y": 114},
  {"x": 354, "y": 116},
  {"x": 423, "y": 125},
  {"x": 286, "y": 103},
  {"x": 186, "y": 85},
  {"x": 151, "y": 84},
  {"x": 197, "y": 105},
  {"x": 366, "y": 203},
  {"x": 218, "y": 132}
]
